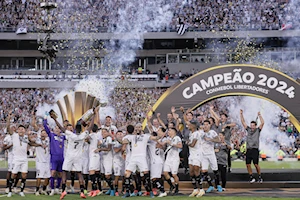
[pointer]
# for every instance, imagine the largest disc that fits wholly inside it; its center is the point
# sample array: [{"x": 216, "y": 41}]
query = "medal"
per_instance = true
[{"x": 135, "y": 145}]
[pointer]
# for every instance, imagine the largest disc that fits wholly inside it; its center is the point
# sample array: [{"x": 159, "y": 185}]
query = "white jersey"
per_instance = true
[
  {"x": 118, "y": 156},
  {"x": 207, "y": 146},
  {"x": 173, "y": 152},
  {"x": 162, "y": 151},
  {"x": 139, "y": 144},
  {"x": 42, "y": 154},
  {"x": 128, "y": 147},
  {"x": 85, "y": 150},
  {"x": 107, "y": 155},
  {"x": 8, "y": 141},
  {"x": 194, "y": 151},
  {"x": 154, "y": 153},
  {"x": 94, "y": 138},
  {"x": 20, "y": 145},
  {"x": 75, "y": 144}
]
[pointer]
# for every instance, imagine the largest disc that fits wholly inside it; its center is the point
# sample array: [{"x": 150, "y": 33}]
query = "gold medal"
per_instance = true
[{"x": 135, "y": 145}]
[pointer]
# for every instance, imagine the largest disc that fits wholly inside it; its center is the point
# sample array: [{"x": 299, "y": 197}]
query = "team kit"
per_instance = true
[{"x": 125, "y": 160}]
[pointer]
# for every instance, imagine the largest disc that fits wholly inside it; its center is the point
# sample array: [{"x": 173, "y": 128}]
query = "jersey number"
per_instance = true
[
  {"x": 76, "y": 143},
  {"x": 157, "y": 152}
]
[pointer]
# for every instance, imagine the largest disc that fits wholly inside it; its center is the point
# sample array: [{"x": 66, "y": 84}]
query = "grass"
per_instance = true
[
  {"x": 235, "y": 165},
  {"x": 74, "y": 197}
]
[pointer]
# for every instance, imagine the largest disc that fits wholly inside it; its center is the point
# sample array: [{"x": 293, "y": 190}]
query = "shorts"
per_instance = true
[
  {"x": 85, "y": 166},
  {"x": 138, "y": 163},
  {"x": 10, "y": 164},
  {"x": 156, "y": 170},
  {"x": 252, "y": 155},
  {"x": 171, "y": 166},
  {"x": 94, "y": 163},
  {"x": 195, "y": 161},
  {"x": 72, "y": 164},
  {"x": 56, "y": 163},
  {"x": 119, "y": 168},
  {"x": 19, "y": 166},
  {"x": 209, "y": 160},
  {"x": 107, "y": 166},
  {"x": 42, "y": 170}
]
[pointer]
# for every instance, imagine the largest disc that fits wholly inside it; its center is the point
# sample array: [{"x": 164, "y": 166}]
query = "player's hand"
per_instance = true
[
  {"x": 158, "y": 115},
  {"x": 181, "y": 109},
  {"x": 207, "y": 139},
  {"x": 211, "y": 107},
  {"x": 97, "y": 151},
  {"x": 168, "y": 141},
  {"x": 241, "y": 111},
  {"x": 258, "y": 113},
  {"x": 173, "y": 110}
]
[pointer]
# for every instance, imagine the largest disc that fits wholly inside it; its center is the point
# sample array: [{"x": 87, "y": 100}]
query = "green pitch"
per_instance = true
[
  {"x": 235, "y": 165},
  {"x": 75, "y": 197}
]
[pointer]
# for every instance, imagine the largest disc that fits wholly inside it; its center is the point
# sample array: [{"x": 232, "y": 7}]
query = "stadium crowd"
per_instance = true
[{"x": 97, "y": 16}]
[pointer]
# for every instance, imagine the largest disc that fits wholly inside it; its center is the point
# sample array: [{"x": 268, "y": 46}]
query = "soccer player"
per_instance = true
[
  {"x": 57, "y": 141},
  {"x": 172, "y": 160},
  {"x": 138, "y": 159},
  {"x": 85, "y": 165},
  {"x": 42, "y": 162},
  {"x": 8, "y": 146},
  {"x": 107, "y": 155},
  {"x": 118, "y": 161},
  {"x": 195, "y": 157},
  {"x": 208, "y": 157},
  {"x": 73, "y": 155},
  {"x": 252, "y": 153}
]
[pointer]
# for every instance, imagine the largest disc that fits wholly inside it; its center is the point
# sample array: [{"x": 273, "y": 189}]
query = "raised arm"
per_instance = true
[
  {"x": 160, "y": 121},
  {"x": 242, "y": 119},
  {"x": 97, "y": 118},
  {"x": 47, "y": 129},
  {"x": 214, "y": 115},
  {"x": 8, "y": 124},
  {"x": 185, "y": 116},
  {"x": 33, "y": 122},
  {"x": 149, "y": 124},
  {"x": 262, "y": 121}
]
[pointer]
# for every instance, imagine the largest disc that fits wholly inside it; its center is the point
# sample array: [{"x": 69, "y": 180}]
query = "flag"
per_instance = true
[
  {"x": 21, "y": 30},
  {"x": 182, "y": 28},
  {"x": 286, "y": 26}
]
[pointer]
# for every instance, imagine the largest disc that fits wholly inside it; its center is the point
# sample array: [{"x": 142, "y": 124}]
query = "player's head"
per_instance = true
[
  {"x": 211, "y": 120},
  {"x": 130, "y": 129},
  {"x": 189, "y": 116},
  {"x": 206, "y": 125},
  {"x": 56, "y": 130},
  {"x": 21, "y": 130},
  {"x": 224, "y": 117},
  {"x": 169, "y": 117},
  {"x": 172, "y": 132},
  {"x": 13, "y": 128},
  {"x": 222, "y": 137},
  {"x": 253, "y": 125},
  {"x": 69, "y": 127},
  {"x": 171, "y": 125},
  {"x": 43, "y": 134},
  {"x": 193, "y": 125},
  {"x": 108, "y": 120},
  {"x": 95, "y": 128},
  {"x": 161, "y": 131},
  {"x": 155, "y": 122},
  {"x": 104, "y": 132},
  {"x": 78, "y": 128},
  {"x": 138, "y": 128},
  {"x": 119, "y": 135}
]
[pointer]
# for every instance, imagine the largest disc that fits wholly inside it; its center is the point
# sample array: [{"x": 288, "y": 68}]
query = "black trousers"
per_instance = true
[
  {"x": 229, "y": 159},
  {"x": 223, "y": 174}
]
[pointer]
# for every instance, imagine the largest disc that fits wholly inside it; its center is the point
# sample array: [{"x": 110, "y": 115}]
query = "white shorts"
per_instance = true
[
  {"x": 195, "y": 161},
  {"x": 85, "y": 166},
  {"x": 107, "y": 166},
  {"x": 171, "y": 166},
  {"x": 119, "y": 168},
  {"x": 94, "y": 163},
  {"x": 209, "y": 160},
  {"x": 138, "y": 163},
  {"x": 19, "y": 166},
  {"x": 10, "y": 164},
  {"x": 72, "y": 164},
  {"x": 156, "y": 170},
  {"x": 42, "y": 170}
]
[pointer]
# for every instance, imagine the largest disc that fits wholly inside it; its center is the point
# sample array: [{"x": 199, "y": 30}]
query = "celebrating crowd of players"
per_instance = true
[{"x": 134, "y": 158}]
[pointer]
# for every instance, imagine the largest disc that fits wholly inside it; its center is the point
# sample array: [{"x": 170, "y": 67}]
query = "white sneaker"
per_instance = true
[
  {"x": 37, "y": 193},
  {"x": 52, "y": 193},
  {"x": 223, "y": 189},
  {"x": 9, "y": 194},
  {"x": 44, "y": 192},
  {"x": 72, "y": 189},
  {"x": 57, "y": 191},
  {"x": 15, "y": 190},
  {"x": 194, "y": 193},
  {"x": 201, "y": 193},
  {"x": 164, "y": 194},
  {"x": 22, "y": 194},
  {"x": 7, "y": 190}
]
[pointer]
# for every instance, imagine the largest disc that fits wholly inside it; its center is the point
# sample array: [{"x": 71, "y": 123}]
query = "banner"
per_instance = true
[{"x": 21, "y": 30}]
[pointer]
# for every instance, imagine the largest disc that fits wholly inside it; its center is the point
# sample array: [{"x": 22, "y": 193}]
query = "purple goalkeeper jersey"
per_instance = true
[{"x": 56, "y": 142}]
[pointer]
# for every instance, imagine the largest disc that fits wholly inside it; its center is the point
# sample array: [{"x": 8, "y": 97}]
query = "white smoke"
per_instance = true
[{"x": 270, "y": 113}]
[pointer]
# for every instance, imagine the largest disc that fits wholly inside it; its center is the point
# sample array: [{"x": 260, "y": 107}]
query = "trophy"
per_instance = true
[{"x": 53, "y": 114}]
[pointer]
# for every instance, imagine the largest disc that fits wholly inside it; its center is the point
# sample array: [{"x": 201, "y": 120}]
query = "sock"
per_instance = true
[
  {"x": 10, "y": 184},
  {"x": 127, "y": 184},
  {"x": 109, "y": 182},
  {"x": 72, "y": 178},
  {"x": 116, "y": 187},
  {"x": 217, "y": 178},
  {"x": 162, "y": 182},
  {"x": 81, "y": 188},
  {"x": 16, "y": 182},
  {"x": 93, "y": 180},
  {"x": 98, "y": 180},
  {"x": 207, "y": 178},
  {"x": 199, "y": 181},
  {"x": 63, "y": 186},
  {"x": 259, "y": 176},
  {"x": 123, "y": 184},
  {"x": 7, "y": 183},
  {"x": 176, "y": 187},
  {"x": 23, "y": 181},
  {"x": 138, "y": 182},
  {"x": 58, "y": 183},
  {"x": 147, "y": 182},
  {"x": 44, "y": 187},
  {"x": 52, "y": 182},
  {"x": 86, "y": 181},
  {"x": 170, "y": 182},
  {"x": 37, "y": 189},
  {"x": 158, "y": 185},
  {"x": 193, "y": 179}
]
